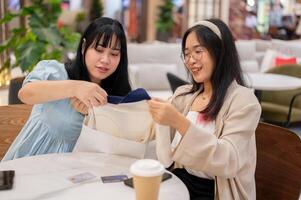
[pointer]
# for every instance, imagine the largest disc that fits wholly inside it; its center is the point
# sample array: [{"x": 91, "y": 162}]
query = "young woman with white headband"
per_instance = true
[{"x": 207, "y": 129}]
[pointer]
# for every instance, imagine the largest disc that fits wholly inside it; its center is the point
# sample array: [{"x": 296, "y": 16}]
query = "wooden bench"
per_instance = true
[{"x": 12, "y": 119}]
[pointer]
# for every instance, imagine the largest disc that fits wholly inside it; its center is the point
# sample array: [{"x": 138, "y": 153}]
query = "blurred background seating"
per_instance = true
[{"x": 283, "y": 107}]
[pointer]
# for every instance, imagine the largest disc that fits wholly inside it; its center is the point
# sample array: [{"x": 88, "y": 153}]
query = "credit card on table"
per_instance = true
[
  {"x": 114, "y": 179},
  {"x": 83, "y": 177}
]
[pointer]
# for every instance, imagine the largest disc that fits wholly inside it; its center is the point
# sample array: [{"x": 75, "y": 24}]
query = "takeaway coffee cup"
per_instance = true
[{"x": 147, "y": 175}]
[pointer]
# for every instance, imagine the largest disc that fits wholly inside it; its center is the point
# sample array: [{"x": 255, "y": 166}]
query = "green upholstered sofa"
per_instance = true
[{"x": 276, "y": 104}]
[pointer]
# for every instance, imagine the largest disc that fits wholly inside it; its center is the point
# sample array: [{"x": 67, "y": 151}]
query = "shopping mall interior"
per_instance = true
[{"x": 266, "y": 40}]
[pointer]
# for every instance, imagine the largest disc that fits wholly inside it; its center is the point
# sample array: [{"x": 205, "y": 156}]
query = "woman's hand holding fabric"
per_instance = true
[
  {"x": 91, "y": 94},
  {"x": 79, "y": 106},
  {"x": 164, "y": 113}
]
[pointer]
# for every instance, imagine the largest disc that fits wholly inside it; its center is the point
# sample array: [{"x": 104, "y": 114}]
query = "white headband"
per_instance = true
[{"x": 211, "y": 26}]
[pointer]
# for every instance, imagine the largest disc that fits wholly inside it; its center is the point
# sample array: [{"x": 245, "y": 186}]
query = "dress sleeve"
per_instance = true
[{"x": 47, "y": 70}]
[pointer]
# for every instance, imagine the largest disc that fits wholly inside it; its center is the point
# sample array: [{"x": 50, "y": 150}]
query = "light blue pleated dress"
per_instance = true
[{"x": 52, "y": 127}]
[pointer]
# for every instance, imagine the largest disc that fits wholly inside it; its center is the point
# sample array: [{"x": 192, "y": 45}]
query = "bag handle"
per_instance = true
[{"x": 89, "y": 119}]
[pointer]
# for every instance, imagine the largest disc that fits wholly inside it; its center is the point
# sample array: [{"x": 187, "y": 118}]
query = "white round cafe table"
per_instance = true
[
  {"x": 47, "y": 177},
  {"x": 272, "y": 82}
]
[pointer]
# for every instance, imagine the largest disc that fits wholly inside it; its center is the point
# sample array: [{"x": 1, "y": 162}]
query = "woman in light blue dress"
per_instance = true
[{"x": 62, "y": 93}]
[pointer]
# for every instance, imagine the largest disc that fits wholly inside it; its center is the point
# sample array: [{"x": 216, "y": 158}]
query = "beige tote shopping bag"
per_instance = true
[{"x": 120, "y": 129}]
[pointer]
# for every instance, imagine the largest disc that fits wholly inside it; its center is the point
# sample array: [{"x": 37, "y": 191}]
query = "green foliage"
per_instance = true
[
  {"x": 41, "y": 38},
  {"x": 96, "y": 10},
  {"x": 80, "y": 17},
  {"x": 165, "y": 20}
]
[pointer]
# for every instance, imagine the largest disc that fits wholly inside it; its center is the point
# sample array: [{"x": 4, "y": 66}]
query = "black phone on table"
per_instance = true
[
  {"x": 6, "y": 179},
  {"x": 129, "y": 182}
]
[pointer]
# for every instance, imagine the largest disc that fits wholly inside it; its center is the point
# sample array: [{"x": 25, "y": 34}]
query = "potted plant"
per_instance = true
[
  {"x": 40, "y": 39},
  {"x": 83, "y": 19},
  {"x": 164, "y": 23},
  {"x": 81, "y": 22},
  {"x": 96, "y": 10}
]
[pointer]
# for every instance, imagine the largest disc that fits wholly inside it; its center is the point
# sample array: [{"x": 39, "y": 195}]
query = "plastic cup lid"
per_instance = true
[{"x": 147, "y": 168}]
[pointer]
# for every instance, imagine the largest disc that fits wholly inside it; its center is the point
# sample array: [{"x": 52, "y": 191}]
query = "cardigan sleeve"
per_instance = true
[
  {"x": 163, "y": 145},
  {"x": 225, "y": 155},
  {"x": 163, "y": 133}
]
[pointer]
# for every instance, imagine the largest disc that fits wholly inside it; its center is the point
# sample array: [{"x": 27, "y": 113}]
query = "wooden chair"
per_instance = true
[
  {"x": 12, "y": 119},
  {"x": 278, "y": 170}
]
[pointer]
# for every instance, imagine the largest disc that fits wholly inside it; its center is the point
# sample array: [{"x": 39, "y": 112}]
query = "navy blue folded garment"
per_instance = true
[{"x": 136, "y": 95}]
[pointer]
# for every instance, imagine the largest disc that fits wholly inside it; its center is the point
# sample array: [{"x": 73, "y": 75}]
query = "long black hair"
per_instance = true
[
  {"x": 100, "y": 32},
  {"x": 227, "y": 67}
]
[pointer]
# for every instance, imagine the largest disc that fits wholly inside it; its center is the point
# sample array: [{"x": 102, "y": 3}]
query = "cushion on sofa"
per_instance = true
[
  {"x": 154, "y": 53},
  {"x": 280, "y": 61},
  {"x": 151, "y": 76},
  {"x": 262, "y": 45},
  {"x": 269, "y": 59},
  {"x": 292, "y": 48},
  {"x": 247, "y": 55},
  {"x": 246, "y": 49},
  {"x": 249, "y": 66}
]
